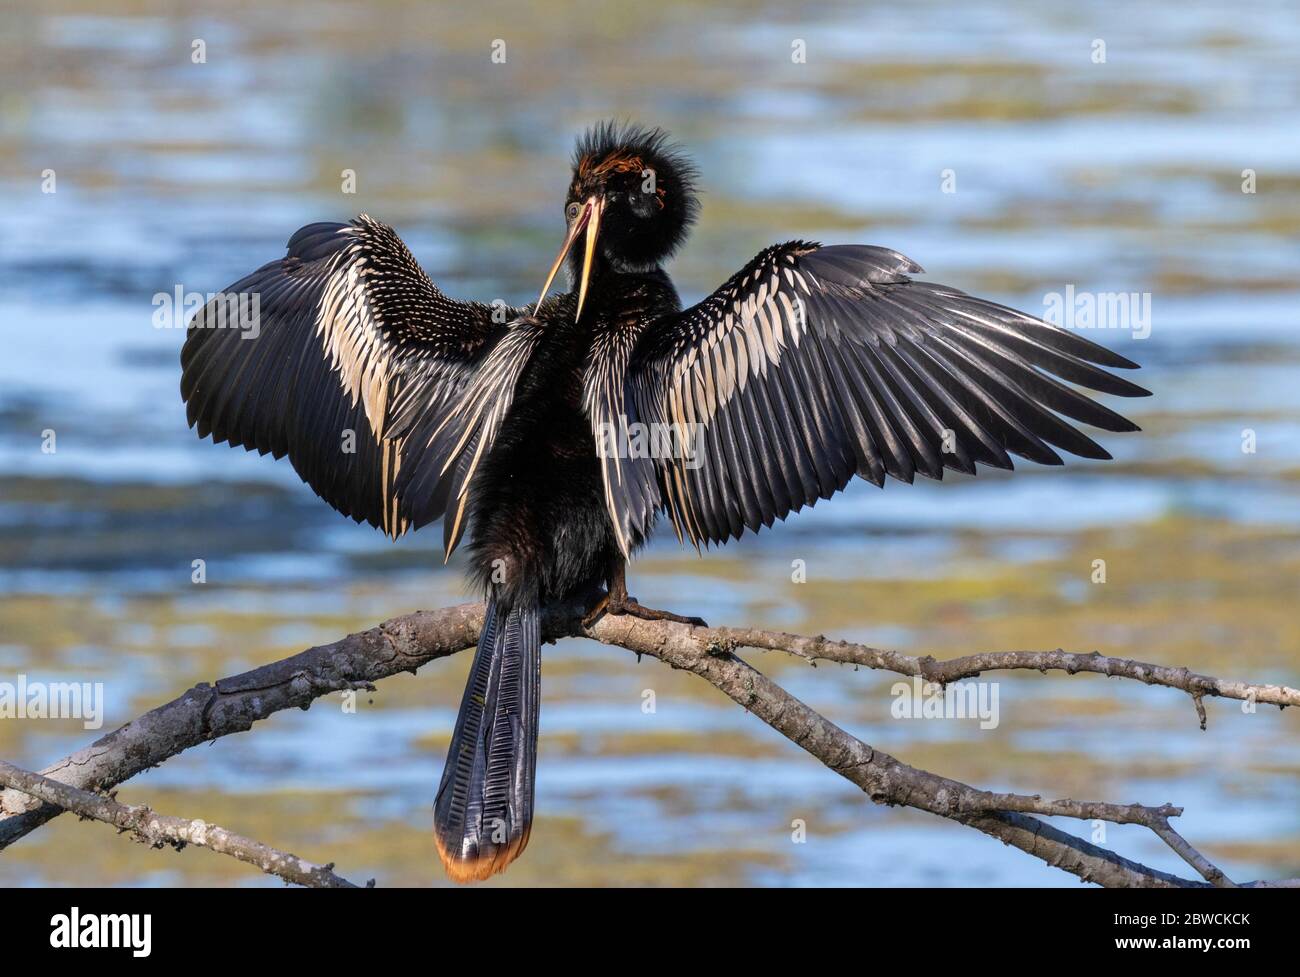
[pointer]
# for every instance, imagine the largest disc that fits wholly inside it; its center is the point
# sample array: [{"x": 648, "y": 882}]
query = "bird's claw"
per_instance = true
[
  {"x": 631, "y": 607},
  {"x": 621, "y": 603}
]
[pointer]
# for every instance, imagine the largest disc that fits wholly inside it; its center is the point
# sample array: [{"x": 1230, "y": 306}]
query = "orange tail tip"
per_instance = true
[{"x": 463, "y": 871}]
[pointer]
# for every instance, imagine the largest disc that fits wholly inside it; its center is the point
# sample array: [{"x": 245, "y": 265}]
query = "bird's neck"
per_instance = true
[{"x": 602, "y": 266}]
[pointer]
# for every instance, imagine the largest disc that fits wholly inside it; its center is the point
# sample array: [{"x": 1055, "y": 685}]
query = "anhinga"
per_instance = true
[{"x": 810, "y": 365}]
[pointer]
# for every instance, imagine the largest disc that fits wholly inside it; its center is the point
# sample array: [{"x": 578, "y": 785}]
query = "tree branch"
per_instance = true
[
  {"x": 969, "y": 666},
  {"x": 207, "y": 712},
  {"x": 157, "y": 830}
]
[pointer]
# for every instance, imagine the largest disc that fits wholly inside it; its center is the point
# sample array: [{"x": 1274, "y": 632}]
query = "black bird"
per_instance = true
[{"x": 557, "y": 435}]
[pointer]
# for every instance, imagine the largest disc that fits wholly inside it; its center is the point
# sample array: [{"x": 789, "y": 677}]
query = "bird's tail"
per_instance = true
[{"x": 484, "y": 811}]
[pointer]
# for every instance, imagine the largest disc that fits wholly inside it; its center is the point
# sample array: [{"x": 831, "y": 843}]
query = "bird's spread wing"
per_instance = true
[
  {"x": 813, "y": 364},
  {"x": 347, "y": 358}
]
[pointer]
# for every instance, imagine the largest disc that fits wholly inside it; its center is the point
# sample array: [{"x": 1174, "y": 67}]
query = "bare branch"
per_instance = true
[
  {"x": 157, "y": 830},
  {"x": 207, "y": 712},
  {"x": 968, "y": 666},
  {"x": 887, "y": 780}
]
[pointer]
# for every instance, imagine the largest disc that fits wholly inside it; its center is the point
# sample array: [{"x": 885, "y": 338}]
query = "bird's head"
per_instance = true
[{"x": 631, "y": 201}]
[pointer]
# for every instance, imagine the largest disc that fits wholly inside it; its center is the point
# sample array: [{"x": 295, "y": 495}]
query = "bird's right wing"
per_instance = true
[
  {"x": 813, "y": 364},
  {"x": 344, "y": 356}
]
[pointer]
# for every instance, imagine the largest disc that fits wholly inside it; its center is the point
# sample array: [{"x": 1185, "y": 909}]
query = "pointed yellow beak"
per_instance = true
[{"x": 588, "y": 218}]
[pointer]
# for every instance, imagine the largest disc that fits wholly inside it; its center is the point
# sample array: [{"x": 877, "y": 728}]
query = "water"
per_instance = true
[{"x": 1117, "y": 176}]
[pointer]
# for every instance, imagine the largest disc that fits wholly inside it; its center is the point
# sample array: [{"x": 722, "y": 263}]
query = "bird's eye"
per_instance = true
[{"x": 571, "y": 211}]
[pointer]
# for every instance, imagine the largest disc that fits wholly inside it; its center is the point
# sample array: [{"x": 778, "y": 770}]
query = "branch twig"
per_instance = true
[
  {"x": 157, "y": 830},
  {"x": 1195, "y": 859},
  {"x": 207, "y": 712}
]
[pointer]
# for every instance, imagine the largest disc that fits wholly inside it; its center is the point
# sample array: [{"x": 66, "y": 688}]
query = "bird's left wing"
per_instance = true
[
  {"x": 344, "y": 356},
  {"x": 813, "y": 364}
]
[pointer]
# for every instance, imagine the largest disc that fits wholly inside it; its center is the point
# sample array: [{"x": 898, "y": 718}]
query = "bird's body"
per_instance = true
[
  {"x": 542, "y": 484},
  {"x": 539, "y": 525},
  {"x": 557, "y": 437}
]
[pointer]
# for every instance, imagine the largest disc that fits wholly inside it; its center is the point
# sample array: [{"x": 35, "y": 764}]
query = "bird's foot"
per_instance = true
[{"x": 630, "y": 607}]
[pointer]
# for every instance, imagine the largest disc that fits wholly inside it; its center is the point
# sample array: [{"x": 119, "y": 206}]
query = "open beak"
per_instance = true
[{"x": 588, "y": 218}]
